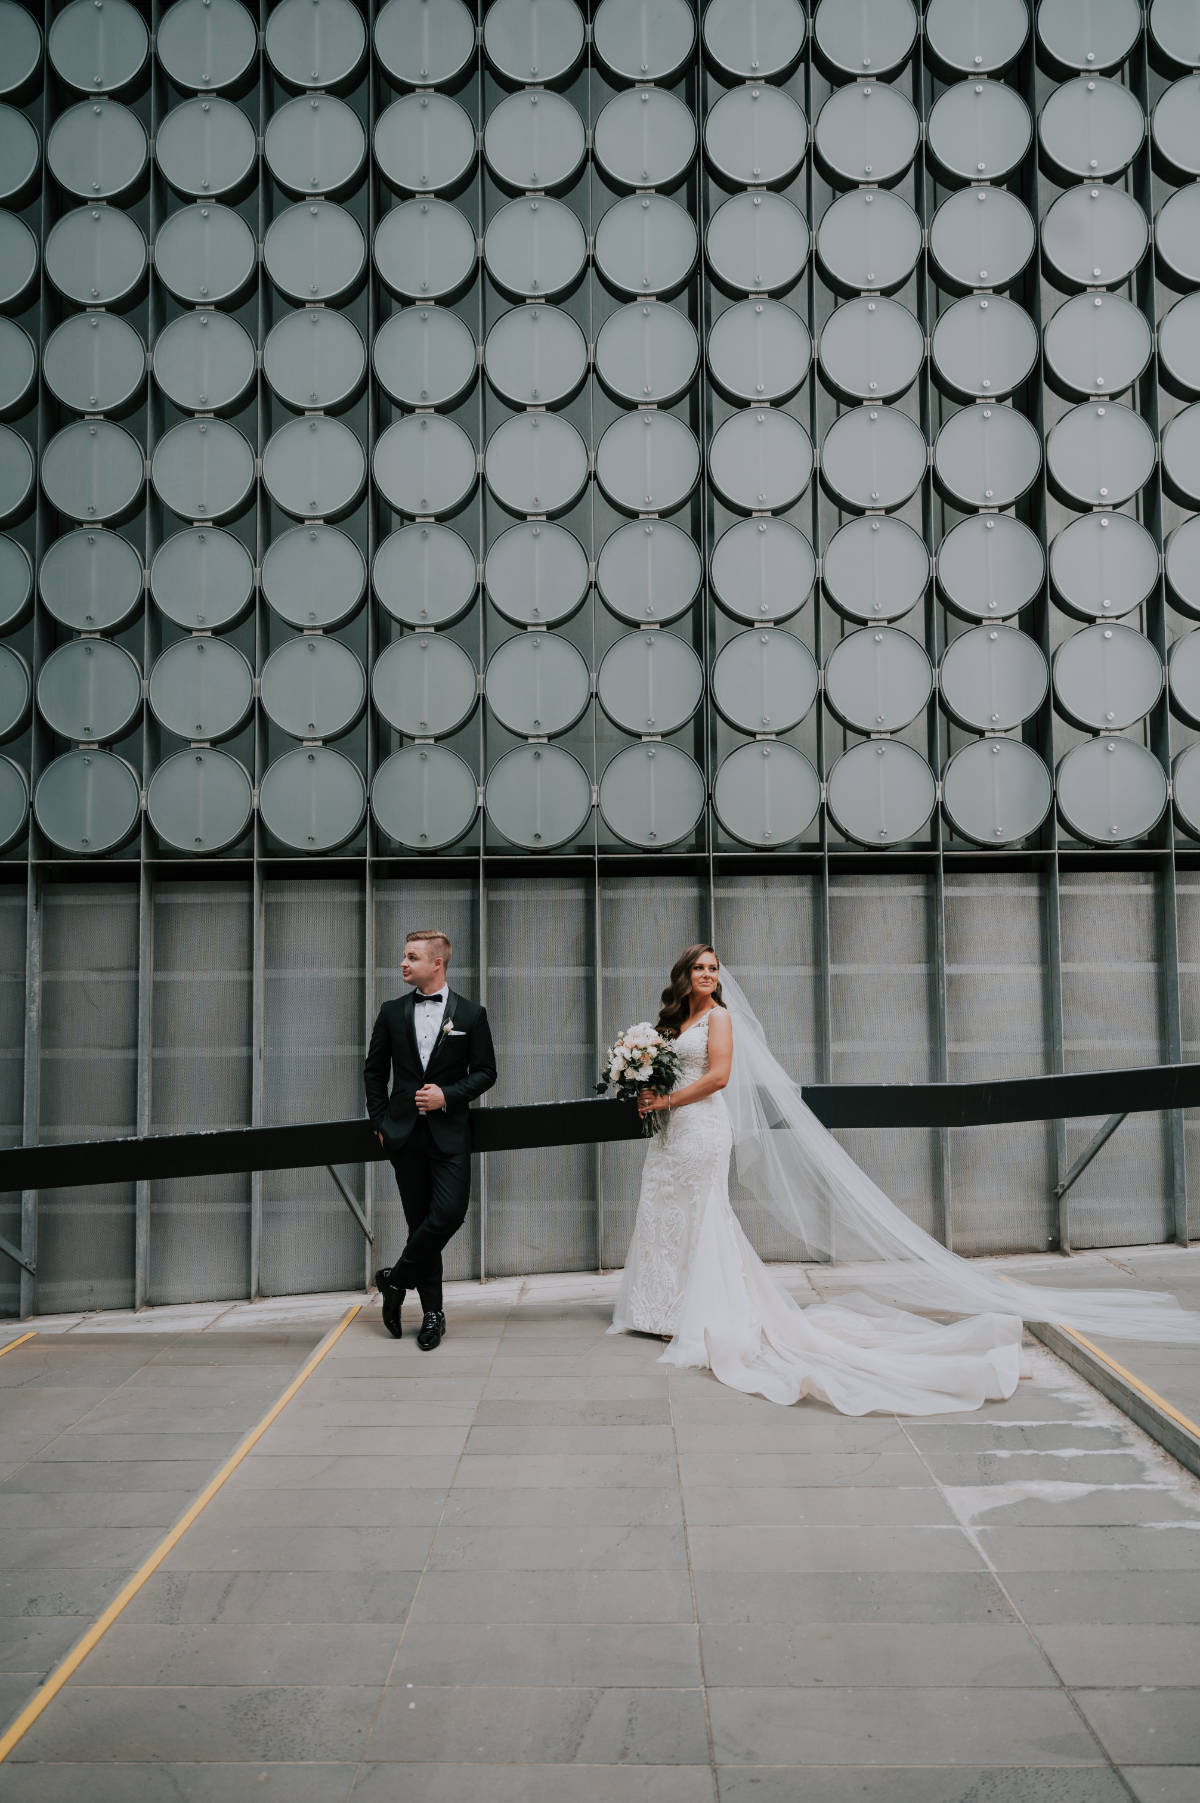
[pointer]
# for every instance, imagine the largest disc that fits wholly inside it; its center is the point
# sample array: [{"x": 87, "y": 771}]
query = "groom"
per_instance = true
[{"x": 437, "y": 1048}]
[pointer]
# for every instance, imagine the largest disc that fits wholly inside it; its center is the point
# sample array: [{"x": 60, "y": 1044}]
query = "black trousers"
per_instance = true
[{"x": 435, "y": 1189}]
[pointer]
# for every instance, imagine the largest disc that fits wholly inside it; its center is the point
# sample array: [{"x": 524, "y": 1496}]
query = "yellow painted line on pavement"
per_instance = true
[
  {"x": 13, "y": 1344},
  {"x": 1160, "y": 1402},
  {"x": 79, "y": 1652}
]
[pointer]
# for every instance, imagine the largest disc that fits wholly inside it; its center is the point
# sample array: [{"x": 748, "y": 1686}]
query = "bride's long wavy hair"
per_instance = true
[{"x": 677, "y": 996}]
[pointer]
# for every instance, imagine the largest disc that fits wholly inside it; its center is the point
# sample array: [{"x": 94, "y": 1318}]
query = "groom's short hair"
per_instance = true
[{"x": 436, "y": 940}]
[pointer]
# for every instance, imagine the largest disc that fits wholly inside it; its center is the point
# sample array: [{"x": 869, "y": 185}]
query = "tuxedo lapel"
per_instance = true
[
  {"x": 408, "y": 1010},
  {"x": 439, "y": 1042}
]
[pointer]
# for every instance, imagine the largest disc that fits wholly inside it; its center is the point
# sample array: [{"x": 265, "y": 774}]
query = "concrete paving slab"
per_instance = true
[
  {"x": 1145, "y": 1726},
  {"x": 260, "y": 1597},
  {"x": 497, "y": 1726},
  {"x": 645, "y": 1506},
  {"x": 248, "y": 1653},
  {"x": 813, "y": 1548},
  {"x": 537, "y": 1784},
  {"x": 1048, "y": 1597},
  {"x": 554, "y": 1596},
  {"x": 1002, "y": 1655},
  {"x": 1161, "y": 1784},
  {"x": 1101, "y": 1656},
  {"x": 648, "y": 1656},
  {"x": 923, "y": 1784},
  {"x": 766, "y": 1506},
  {"x": 854, "y": 1596},
  {"x": 299, "y": 1722},
  {"x": 173, "y": 1781},
  {"x": 579, "y": 1548},
  {"x": 223, "y": 1543}
]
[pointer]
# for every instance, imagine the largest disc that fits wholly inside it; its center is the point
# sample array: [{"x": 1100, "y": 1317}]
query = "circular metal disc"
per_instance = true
[
  {"x": 91, "y": 471},
  {"x": 866, "y": 132},
  {"x": 878, "y": 680},
  {"x": 1100, "y": 453},
  {"x": 979, "y": 131},
  {"x": 875, "y": 570},
  {"x": 1102, "y": 566},
  {"x": 757, "y": 243},
  {"x": 424, "y": 796},
  {"x": 16, "y": 584},
  {"x": 873, "y": 457},
  {"x": 18, "y": 367},
  {"x": 987, "y": 457},
  {"x": 537, "y": 684},
  {"x": 16, "y": 690},
  {"x": 1179, "y": 348},
  {"x": 766, "y": 795},
  {"x": 535, "y": 356},
  {"x": 764, "y": 681},
  {"x": 424, "y": 144},
  {"x": 206, "y": 45},
  {"x": 759, "y": 350},
  {"x": 425, "y": 686},
  {"x": 975, "y": 37},
  {"x": 875, "y": 38},
  {"x": 97, "y": 49},
  {"x": 203, "y": 469},
  {"x": 650, "y": 682},
  {"x": 20, "y": 154},
  {"x": 206, "y": 147},
  {"x": 868, "y": 238},
  {"x": 1094, "y": 237},
  {"x": 205, "y": 255},
  {"x": 751, "y": 40},
  {"x": 881, "y": 792},
  {"x": 646, "y": 352},
  {"x": 315, "y": 468},
  {"x": 649, "y": 573},
  {"x": 1096, "y": 37},
  {"x": 424, "y": 250},
  {"x": 1110, "y": 790},
  {"x": 1183, "y": 669},
  {"x": 425, "y": 576},
  {"x": 22, "y": 47},
  {"x": 1173, "y": 30},
  {"x": 316, "y": 145},
  {"x": 535, "y": 248},
  {"x": 312, "y": 799},
  {"x": 97, "y": 150},
  {"x": 87, "y": 801},
  {"x": 536, "y": 574},
  {"x": 755, "y": 136},
  {"x": 538, "y": 796},
  {"x": 760, "y": 461},
  {"x": 1181, "y": 457},
  {"x": 533, "y": 40},
  {"x": 652, "y": 795},
  {"x": 422, "y": 45},
  {"x": 315, "y": 252},
  {"x": 534, "y": 140},
  {"x": 315, "y": 358},
  {"x": 981, "y": 238},
  {"x": 1106, "y": 677},
  {"x": 424, "y": 357},
  {"x": 14, "y": 803},
  {"x": 644, "y": 40},
  {"x": 19, "y": 258},
  {"x": 89, "y": 689},
  {"x": 1186, "y": 789},
  {"x": 1182, "y": 560},
  {"x": 95, "y": 363},
  {"x": 314, "y": 576},
  {"x": 315, "y": 43},
  {"x": 648, "y": 462},
  {"x": 645, "y": 138},
  {"x": 424, "y": 465},
  {"x": 1176, "y": 236},
  {"x": 762, "y": 571},
  {"x": 990, "y": 567},
  {"x": 16, "y": 474},
  {"x": 871, "y": 350},
  {"x": 204, "y": 361},
  {"x": 993, "y": 678},
  {"x": 91, "y": 581},
  {"x": 536, "y": 464},
  {"x": 983, "y": 347},
  {"x": 202, "y": 579},
  {"x": 201, "y": 688},
  {"x": 1097, "y": 344},
  {"x": 200, "y": 801},
  {"x": 646, "y": 244},
  {"x": 996, "y": 791},
  {"x": 313, "y": 687},
  {"x": 1090, "y": 129}
]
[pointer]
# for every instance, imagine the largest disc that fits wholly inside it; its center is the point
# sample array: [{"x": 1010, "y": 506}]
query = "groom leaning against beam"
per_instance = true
[{"x": 437, "y": 1048}]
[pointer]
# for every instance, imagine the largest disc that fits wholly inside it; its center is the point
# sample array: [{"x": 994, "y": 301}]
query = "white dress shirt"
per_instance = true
[{"x": 427, "y": 1019}]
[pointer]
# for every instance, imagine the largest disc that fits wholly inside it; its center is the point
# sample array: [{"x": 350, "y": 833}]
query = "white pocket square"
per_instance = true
[{"x": 456, "y": 1033}]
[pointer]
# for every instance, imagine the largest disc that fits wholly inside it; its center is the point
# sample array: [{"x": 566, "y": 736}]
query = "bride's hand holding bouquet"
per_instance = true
[{"x": 639, "y": 1063}]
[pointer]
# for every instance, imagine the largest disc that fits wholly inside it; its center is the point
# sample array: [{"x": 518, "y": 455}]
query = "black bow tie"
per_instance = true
[{"x": 430, "y": 998}]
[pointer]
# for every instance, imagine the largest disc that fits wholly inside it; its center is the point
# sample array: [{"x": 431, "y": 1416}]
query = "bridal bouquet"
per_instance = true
[{"x": 640, "y": 1058}]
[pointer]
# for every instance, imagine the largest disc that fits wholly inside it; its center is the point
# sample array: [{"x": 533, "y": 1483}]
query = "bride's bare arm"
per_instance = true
[{"x": 720, "y": 1057}]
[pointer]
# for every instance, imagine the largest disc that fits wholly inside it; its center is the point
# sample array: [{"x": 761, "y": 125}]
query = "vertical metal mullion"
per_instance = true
[
  {"x": 597, "y": 1151},
  {"x": 258, "y": 907},
  {"x": 371, "y": 1172},
  {"x": 481, "y": 517},
  {"x": 704, "y": 504}
]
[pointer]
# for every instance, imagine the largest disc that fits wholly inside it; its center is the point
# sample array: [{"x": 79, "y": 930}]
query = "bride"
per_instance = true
[{"x": 692, "y": 1277}]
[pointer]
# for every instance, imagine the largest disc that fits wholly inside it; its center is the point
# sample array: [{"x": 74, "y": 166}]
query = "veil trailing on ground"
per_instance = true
[{"x": 785, "y": 1160}]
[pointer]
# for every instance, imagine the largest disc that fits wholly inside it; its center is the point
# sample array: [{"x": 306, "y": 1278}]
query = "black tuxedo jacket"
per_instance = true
[{"x": 462, "y": 1064}]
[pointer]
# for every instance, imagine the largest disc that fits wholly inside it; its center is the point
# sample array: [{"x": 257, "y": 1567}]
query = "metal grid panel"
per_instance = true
[{"x": 12, "y": 1071}]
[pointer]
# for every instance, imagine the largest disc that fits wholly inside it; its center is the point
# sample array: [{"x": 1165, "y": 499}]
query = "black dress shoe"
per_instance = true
[
  {"x": 432, "y": 1328},
  {"x": 392, "y": 1299}
]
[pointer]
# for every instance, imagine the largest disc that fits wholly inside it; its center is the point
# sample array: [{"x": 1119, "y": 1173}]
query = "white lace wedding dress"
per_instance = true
[{"x": 691, "y": 1272}]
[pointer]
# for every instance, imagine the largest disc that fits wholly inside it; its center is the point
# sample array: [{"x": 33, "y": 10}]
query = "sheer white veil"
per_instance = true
[{"x": 791, "y": 1165}]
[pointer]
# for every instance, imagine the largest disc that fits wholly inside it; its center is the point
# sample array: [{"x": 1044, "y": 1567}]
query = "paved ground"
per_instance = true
[{"x": 535, "y": 1566}]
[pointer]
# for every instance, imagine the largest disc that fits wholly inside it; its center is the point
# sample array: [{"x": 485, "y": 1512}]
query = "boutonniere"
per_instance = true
[{"x": 447, "y": 1027}]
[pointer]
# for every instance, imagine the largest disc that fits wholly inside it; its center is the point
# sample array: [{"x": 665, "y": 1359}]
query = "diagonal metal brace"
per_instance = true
[
  {"x": 18, "y": 1258},
  {"x": 351, "y": 1204},
  {"x": 1085, "y": 1157}
]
